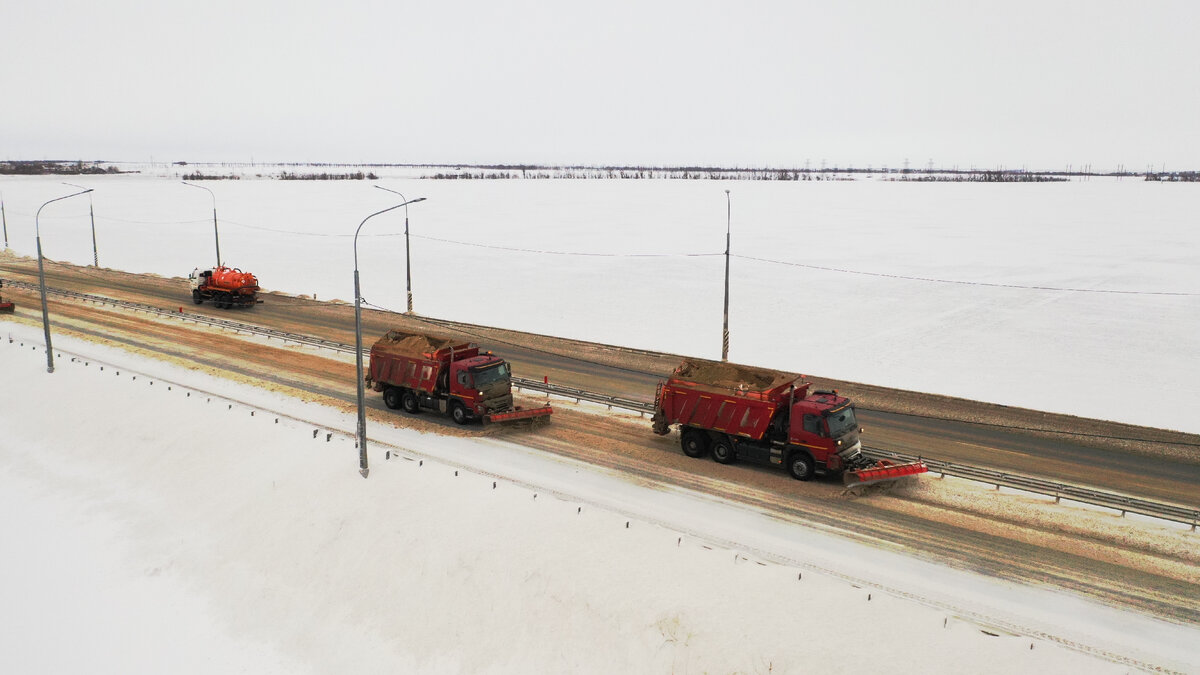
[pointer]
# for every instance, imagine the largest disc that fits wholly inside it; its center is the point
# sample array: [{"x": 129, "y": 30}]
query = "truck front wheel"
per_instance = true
[
  {"x": 408, "y": 401},
  {"x": 392, "y": 398},
  {"x": 722, "y": 451},
  {"x": 695, "y": 443},
  {"x": 196, "y": 297},
  {"x": 801, "y": 465},
  {"x": 459, "y": 413}
]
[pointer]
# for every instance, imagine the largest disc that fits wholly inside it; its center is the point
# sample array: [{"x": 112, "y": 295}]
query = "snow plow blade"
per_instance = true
[
  {"x": 6, "y": 308},
  {"x": 882, "y": 471},
  {"x": 533, "y": 414}
]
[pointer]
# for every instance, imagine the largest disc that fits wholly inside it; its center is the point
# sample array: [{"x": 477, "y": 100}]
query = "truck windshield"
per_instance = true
[
  {"x": 490, "y": 374},
  {"x": 841, "y": 421}
]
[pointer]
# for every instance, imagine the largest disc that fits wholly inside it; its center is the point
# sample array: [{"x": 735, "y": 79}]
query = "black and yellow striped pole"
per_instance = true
[{"x": 725, "y": 330}]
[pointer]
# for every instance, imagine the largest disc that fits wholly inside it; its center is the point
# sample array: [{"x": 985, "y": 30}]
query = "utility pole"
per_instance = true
[
  {"x": 407, "y": 255},
  {"x": 92, "y": 213},
  {"x": 216, "y": 235},
  {"x": 725, "y": 330},
  {"x": 4, "y": 219}
]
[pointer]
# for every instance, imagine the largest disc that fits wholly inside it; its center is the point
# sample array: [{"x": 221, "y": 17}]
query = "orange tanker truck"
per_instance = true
[
  {"x": 225, "y": 286},
  {"x": 742, "y": 413},
  {"x": 426, "y": 372}
]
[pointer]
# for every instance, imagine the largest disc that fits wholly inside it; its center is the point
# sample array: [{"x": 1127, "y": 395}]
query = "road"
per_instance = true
[{"x": 1006, "y": 537}]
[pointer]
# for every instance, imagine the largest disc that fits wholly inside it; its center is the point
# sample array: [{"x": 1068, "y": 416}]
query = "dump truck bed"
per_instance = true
[
  {"x": 729, "y": 378},
  {"x": 414, "y": 360}
]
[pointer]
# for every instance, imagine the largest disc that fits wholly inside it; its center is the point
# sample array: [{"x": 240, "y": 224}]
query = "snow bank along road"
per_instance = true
[{"x": 1009, "y": 537}]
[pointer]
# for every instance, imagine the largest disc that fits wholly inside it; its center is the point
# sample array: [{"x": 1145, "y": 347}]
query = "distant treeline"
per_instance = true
[
  {"x": 983, "y": 177},
  {"x": 39, "y": 168},
  {"x": 635, "y": 174},
  {"x": 1178, "y": 177},
  {"x": 357, "y": 175},
  {"x": 204, "y": 176}
]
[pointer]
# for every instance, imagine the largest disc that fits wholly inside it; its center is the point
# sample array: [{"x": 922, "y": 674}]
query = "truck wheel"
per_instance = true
[
  {"x": 695, "y": 443},
  {"x": 196, "y": 297},
  {"x": 722, "y": 452},
  {"x": 801, "y": 465},
  {"x": 459, "y": 413},
  {"x": 392, "y": 398},
  {"x": 408, "y": 401}
]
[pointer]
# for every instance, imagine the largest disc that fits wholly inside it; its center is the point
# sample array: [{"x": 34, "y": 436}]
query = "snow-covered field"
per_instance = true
[
  {"x": 163, "y": 527},
  {"x": 1068, "y": 351},
  {"x": 875, "y": 318}
]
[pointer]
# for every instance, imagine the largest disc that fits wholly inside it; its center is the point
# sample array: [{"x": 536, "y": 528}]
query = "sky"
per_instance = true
[{"x": 1040, "y": 85}]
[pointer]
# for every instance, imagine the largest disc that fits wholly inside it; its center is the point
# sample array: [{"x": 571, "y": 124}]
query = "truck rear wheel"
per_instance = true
[
  {"x": 722, "y": 451},
  {"x": 801, "y": 465},
  {"x": 392, "y": 397},
  {"x": 459, "y": 413},
  {"x": 408, "y": 401},
  {"x": 695, "y": 443}
]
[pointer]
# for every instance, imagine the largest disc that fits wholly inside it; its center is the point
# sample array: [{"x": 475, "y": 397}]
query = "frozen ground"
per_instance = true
[
  {"x": 155, "y": 525},
  {"x": 1003, "y": 334}
]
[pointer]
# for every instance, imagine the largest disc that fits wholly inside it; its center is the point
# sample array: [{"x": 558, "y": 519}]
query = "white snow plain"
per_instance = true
[
  {"x": 156, "y": 519},
  {"x": 864, "y": 311}
]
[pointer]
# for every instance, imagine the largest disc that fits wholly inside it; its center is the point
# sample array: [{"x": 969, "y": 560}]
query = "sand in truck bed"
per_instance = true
[
  {"x": 412, "y": 344},
  {"x": 731, "y": 376}
]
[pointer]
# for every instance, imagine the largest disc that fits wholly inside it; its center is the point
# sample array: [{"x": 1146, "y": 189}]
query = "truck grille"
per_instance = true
[{"x": 499, "y": 404}]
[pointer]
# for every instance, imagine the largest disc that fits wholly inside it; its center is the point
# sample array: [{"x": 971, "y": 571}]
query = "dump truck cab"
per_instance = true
[
  {"x": 824, "y": 423},
  {"x": 483, "y": 383}
]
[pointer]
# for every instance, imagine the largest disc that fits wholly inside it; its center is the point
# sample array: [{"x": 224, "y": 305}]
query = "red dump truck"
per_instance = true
[
  {"x": 225, "y": 286},
  {"x": 426, "y": 372},
  {"x": 5, "y": 307},
  {"x": 739, "y": 412}
]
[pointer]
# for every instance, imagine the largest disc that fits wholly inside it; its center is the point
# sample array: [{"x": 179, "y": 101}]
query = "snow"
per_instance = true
[
  {"x": 163, "y": 527},
  {"x": 863, "y": 311}
]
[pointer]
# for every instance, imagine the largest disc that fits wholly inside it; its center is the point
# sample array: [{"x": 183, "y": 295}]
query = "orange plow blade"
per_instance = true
[
  {"x": 881, "y": 471},
  {"x": 530, "y": 414}
]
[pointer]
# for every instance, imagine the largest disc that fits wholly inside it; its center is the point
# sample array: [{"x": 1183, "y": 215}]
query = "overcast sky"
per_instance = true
[{"x": 1038, "y": 84}]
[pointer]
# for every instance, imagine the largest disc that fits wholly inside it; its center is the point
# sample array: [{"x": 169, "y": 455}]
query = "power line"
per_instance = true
[
  {"x": 486, "y": 246},
  {"x": 489, "y": 339},
  {"x": 571, "y": 253},
  {"x": 963, "y": 283}
]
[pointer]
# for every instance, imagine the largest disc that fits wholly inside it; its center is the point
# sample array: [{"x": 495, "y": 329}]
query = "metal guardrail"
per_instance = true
[
  {"x": 1123, "y": 503},
  {"x": 582, "y": 395},
  {"x": 195, "y": 318}
]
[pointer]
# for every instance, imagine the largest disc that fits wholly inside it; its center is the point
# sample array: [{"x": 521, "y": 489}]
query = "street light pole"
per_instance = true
[
  {"x": 92, "y": 213},
  {"x": 725, "y": 331},
  {"x": 4, "y": 219},
  {"x": 407, "y": 257},
  {"x": 37, "y": 228},
  {"x": 358, "y": 348},
  {"x": 216, "y": 237}
]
